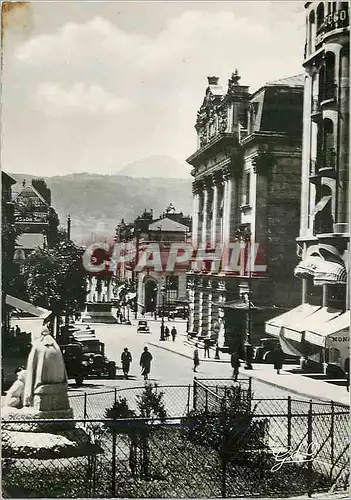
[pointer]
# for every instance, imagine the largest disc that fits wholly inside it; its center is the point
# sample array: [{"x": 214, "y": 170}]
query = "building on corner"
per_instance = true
[{"x": 318, "y": 329}]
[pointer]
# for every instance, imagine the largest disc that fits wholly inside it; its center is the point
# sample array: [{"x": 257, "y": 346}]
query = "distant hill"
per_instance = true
[
  {"x": 97, "y": 203},
  {"x": 156, "y": 166}
]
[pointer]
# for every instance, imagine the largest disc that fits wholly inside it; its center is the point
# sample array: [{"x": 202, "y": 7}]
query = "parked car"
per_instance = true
[
  {"x": 264, "y": 352},
  {"x": 94, "y": 354},
  {"x": 76, "y": 366},
  {"x": 143, "y": 327},
  {"x": 93, "y": 359},
  {"x": 178, "y": 312}
]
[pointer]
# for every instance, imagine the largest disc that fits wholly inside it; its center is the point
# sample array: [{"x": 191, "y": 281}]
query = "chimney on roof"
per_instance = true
[{"x": 213, "y": 80}]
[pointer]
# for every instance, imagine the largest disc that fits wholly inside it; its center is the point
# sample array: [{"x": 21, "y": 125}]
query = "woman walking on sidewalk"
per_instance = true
[
  {"x": 145, "y": 362},
  {"x": 126, "y": 359},
  {"x": 235, "y": 362},
  {"x": 196, "y": 358},
  {"x": 278, "y": 358}
]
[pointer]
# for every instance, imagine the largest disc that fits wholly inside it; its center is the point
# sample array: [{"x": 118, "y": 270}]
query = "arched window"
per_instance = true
[
  {"x": 320, "y": 16},
  {"x": 328, "y": 157}
]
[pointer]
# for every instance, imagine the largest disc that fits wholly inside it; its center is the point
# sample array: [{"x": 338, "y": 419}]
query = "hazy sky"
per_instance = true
[{"x": 92, "y": 86}]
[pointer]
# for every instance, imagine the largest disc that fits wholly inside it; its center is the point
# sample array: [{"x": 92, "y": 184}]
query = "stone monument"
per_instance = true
[{"x": 40, "y": 391}]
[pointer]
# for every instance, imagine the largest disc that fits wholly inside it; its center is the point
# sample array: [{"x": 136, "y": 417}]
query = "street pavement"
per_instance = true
[{"x": 172, "y": 364}]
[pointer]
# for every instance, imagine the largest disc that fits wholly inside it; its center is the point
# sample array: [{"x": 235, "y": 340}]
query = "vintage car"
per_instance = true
[
  {"x": 94, "y": 354},
  {"x": 143, "y": 327},
  {"x": 76, "y": 366},
  {"x": 264, "y": 353}
]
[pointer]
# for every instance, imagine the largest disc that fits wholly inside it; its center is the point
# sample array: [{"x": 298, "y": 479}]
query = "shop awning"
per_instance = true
[
  {"x": 332, "y": 333},
  {"x": 307, "y": 267},
  {"x": 329, "y": 272},
  {"x": 296, "y": 329},
  {"x": 24, "y": 306},
  {"x": 296, "y": 315}
]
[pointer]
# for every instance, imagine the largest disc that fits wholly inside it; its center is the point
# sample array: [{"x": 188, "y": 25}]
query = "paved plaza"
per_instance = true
[{"x": 172, "y": 364}]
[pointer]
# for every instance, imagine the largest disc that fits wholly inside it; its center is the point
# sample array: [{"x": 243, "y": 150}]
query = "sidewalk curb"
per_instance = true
[
  {"x": 294, "y": 391},
  {"x": 251, "y": 373},
  {"x": 205, "y": 360}
]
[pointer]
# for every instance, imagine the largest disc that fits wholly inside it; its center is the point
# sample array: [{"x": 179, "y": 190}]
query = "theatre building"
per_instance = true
[
  {"x": 247, "y": 183},
  {"x": 318, "y": 330}
]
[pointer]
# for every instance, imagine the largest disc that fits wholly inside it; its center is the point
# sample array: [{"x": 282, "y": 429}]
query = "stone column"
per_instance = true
[
  {"x": 195, "y": 224},
  {"x": 196, "y": 312},
  {"x": 220, "y": 211},
  {"x": 209, "y": 211},
  {"x": 200, "y": 213},
  {"x": 214, "y": 215},
  {"x": 109, "y": 289},
  {"x": 225, "y": 211},
  {"x": 209, "y": 308},
  {"x": 191, "y": 297},
  {"x": 221, "y": 299},
  {"x": 90, "y": 288},
  {"x": 204, "y": 216},
  {"x": 343, "y": 138},
  {"x": 306, "y": 155},
  {"x": 99, "y": 289},
  {"x": 200, "y": 305}
]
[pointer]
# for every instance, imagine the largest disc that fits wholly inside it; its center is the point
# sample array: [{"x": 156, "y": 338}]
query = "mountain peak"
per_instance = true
[{"x": 160, "y": 166}]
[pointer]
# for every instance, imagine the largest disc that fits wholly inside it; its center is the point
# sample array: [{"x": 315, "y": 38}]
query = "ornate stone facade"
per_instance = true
[
  {"x": 230, "y": 194},
  {"x": 324, "y": 238}
]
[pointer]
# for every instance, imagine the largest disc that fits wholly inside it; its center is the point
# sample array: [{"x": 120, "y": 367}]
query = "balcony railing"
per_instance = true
[
  {"x": 326, "y": 160},
  {"x": 336, "y": 20},
  {"x": 316, "y": 109},
  {"x": 324, "y": 165},
  {"x": 328, "y": 91}
]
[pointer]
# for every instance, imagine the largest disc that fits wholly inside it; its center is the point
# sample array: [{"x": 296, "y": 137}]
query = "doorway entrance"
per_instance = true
[{"x": 150, "y": 295}]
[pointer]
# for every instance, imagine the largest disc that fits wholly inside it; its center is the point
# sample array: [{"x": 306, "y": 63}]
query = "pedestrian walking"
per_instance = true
[
  {"x": 126, "y": 359},
  {"x": 17, "y": 330},
  {"x": 235, "y": 362},
  {"x": 207, "y": 344},
  {"x": 278, "y": 358},
  {"x": 196, "y": 358},
  {"x": 217, "y": 352},
  {"x": 167, "y": 333},
  {"x": 174, "y": 333},
  {"x": 145, "y": 363}
]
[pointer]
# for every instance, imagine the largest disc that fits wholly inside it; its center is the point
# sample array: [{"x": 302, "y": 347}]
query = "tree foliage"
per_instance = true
[
  {"x": 233, "y": 431},
  {"x": 55, "y": 278}
]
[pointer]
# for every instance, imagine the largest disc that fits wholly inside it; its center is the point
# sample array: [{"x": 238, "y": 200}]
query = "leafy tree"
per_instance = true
[
  {"x": 53, "y": 231},
  {"x": 56, "y": 278},
  {"x": 42, "y": 188},
  {"x": 151, "y": 407},
  {"x": 233, "y": 430}
]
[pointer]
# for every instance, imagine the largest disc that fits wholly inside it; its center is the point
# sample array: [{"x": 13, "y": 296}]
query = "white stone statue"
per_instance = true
[
  {"x": 41, "y": 389},
  {"x": 45, "y": 367},
  {"x": 14, "y": 396}
]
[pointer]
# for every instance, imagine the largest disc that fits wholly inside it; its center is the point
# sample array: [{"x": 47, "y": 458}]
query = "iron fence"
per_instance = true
[
  {"x": 90, "y": 405},
  {"x": 199, "y": 450}
]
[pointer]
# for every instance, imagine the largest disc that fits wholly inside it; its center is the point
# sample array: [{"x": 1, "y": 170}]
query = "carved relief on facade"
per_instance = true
[{"x": 222, "y": 119}]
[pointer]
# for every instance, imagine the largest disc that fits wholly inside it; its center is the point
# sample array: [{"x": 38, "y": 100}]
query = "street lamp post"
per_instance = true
[{"x": 163, "y": 293}]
